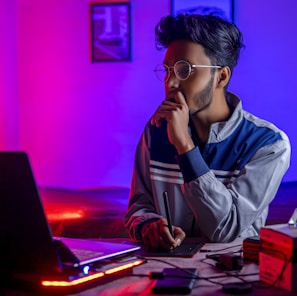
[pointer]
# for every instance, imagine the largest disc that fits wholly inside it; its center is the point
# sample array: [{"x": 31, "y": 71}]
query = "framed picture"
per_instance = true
[
  {"x": 222, "y": 8},
  {"x": 110, "y": 32}
]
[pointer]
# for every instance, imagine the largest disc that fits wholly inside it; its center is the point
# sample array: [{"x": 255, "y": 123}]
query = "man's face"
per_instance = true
[{"x": 198, "y": 88}]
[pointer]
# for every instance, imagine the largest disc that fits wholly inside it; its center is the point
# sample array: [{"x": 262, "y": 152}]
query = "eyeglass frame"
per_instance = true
[{"x": 175, "y": 72}]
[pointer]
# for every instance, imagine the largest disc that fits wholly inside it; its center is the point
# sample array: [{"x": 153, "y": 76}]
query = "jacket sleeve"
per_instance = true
[
  {"x": 223, "y": 212},
  {"x": 141, "y": 207}
]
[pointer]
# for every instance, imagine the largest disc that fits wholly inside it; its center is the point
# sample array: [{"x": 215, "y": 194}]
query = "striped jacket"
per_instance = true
[{"x": 218, "y": 191}]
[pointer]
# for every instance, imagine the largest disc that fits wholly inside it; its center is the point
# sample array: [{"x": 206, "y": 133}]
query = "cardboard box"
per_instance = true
[{"x": 278, "y": 256}]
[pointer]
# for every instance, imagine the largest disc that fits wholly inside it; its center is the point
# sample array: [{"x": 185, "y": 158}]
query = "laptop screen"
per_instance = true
[{"x": 25, "y": 234}]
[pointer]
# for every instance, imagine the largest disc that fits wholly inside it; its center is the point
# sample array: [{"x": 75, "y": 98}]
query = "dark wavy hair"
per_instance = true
[{"x": 221, "y": 40}]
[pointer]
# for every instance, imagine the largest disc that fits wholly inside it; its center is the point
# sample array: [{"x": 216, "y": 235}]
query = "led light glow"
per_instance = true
[
  {"x": 65, "y": 215},
  {"x": 91, "y": 277},
  {"x": 116, "y": 269},
  {"x": 72, "y": 283},
  {"x": 86, "y": 269}
]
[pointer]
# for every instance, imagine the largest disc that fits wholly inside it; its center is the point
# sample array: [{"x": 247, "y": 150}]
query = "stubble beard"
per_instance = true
[{"x": 204, "y": 98}]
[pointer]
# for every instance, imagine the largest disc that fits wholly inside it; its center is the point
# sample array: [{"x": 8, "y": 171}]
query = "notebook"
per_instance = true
[{"x": 27, "y": 245}]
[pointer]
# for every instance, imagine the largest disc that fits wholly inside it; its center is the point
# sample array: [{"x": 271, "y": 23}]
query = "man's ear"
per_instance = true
[{"x": 224, "y": 75}]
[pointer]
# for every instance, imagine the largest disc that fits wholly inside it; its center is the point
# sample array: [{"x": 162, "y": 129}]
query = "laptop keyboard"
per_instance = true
[{"x": 85, "y": 254}]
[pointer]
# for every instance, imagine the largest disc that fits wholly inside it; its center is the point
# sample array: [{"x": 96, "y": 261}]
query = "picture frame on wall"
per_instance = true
[
  {"x": 110, "y": 32},
  {"x": 222, "y": 8}
]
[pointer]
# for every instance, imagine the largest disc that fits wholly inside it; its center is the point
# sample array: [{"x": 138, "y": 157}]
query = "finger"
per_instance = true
[
  {"x": 167, "y": 241},
  {"x": 154, "y": 119},
  {"x": 167, "y": 235},
  {"x": 150, "y": 236},
  {"x": 150, "y": 241},
  {"x": 157, "y": 122},
  {"x": 176, "y": 96},
  {"x": 179, "y": 235},
  {"x": 155, "y": 236},
  {"x": 157, "y": 117},
  {"x": 163, "y": 244}
]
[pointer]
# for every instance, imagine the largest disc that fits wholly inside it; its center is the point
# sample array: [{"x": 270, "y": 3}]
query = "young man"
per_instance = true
[{"x": 220, "y": 165}]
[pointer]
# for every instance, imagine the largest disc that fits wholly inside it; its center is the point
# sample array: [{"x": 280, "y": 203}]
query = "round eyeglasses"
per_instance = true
[{"x": 182, "y": 70}]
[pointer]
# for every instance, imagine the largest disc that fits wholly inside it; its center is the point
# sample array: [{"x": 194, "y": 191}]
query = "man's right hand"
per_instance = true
[
  {"x": 176, "y": 113},
  {"x": 157, "y": 236}
]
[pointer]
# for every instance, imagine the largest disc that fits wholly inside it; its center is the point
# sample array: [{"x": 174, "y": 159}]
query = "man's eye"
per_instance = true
[{"x": 184, "y": 71}]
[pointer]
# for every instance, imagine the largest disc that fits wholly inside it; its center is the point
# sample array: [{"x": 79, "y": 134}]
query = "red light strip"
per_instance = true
[
  {"x": 88, "y": 278},
  {"x": 72, "y": 283},
  {"x": 126, "y": 266}
]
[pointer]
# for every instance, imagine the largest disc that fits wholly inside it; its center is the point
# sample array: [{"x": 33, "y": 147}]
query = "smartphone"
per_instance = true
[{"x": 176, "y": 281}]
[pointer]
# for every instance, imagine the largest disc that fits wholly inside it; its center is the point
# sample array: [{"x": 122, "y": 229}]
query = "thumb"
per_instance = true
[
  {"x": 178, "y": 241},
  {"x": 179, "y": 235}
]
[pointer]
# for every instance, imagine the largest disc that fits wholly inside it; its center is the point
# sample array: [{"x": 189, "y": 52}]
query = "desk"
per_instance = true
[{"x": 140, "y": 284}]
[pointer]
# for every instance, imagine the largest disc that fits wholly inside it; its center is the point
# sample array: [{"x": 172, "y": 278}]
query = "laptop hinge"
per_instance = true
[{"x": 65, "y": 255}]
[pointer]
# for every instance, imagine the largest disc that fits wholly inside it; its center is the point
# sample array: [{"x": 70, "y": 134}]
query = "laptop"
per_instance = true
[{"x": 28, "y": 249}]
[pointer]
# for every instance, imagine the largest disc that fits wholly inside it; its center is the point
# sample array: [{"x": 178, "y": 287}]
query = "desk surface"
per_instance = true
[{"x": 140, "y": 284}]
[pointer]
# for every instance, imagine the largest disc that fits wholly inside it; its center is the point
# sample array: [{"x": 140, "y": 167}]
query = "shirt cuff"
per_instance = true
[{"x": 192, "y": 165}]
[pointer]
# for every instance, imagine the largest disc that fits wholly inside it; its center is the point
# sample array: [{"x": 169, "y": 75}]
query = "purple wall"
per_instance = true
[
  {"x": 265, "y": 77},
  {"x": 80, "y": 121},
  {"x": 9, "y": 109}
]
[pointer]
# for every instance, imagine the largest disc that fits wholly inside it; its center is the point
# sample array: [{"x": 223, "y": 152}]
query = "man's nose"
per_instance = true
[{"x": 173, "y": 81}]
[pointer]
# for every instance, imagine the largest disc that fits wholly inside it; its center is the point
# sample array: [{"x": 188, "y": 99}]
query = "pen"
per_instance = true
[{"x": 168, "y": 217}]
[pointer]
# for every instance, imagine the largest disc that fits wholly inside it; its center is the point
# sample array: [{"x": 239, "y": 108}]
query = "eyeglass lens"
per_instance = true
[{"x": 182, "y": 70}]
